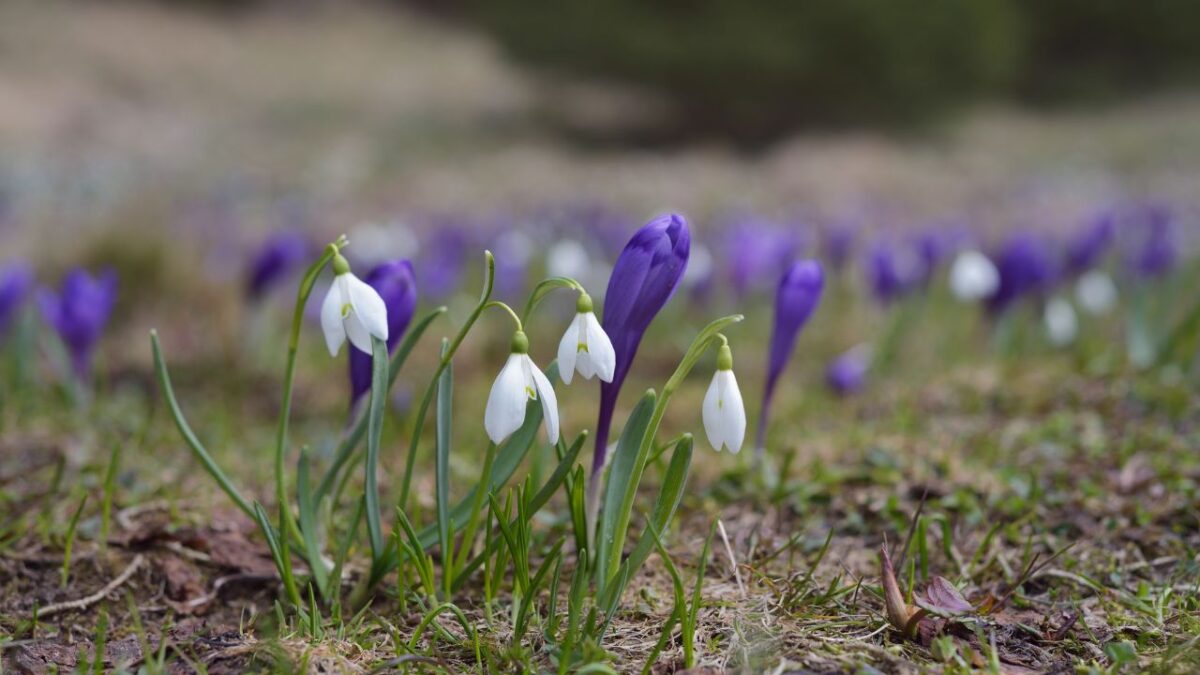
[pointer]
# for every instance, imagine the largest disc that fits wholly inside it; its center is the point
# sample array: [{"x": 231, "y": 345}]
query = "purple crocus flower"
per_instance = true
[
  {"x": 847, "y": 374},
  {"x": 644, "y": 278},
  {"x": 444, "y": 257},
  {"x": 758, "y": 250},
  {"x": 279, "y": 256},
  {"x": 1025, "y": 266},
  {"x": 892, "y": 271},
  {"x": 1088, "y": 246},
  {"x": 16, "y": 279},
  {"x": 1156, "y": 252},
  {"x": 797, "y": 297},
  {"x": 396, "y": 284},
  {"x": 79, "y": 313}
]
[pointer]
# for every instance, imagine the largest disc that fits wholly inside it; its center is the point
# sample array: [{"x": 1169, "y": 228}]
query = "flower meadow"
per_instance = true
[{"x": 516, "y": 445}]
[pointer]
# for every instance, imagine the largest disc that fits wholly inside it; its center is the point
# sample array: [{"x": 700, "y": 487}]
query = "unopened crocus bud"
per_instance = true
[
  {"x": 282, "y": 254},
  {"x": 16, "y": 280},
  {"x": 1096, "y": 293},
  {"x": 973, "y": 277},
  {"x": 796, "y": 298},
  {"x": 724, "y": 414},
  {"x": 1061, "y": 323},
  {"x": 79, "y": 313},
  {"x": 847, "y": 374},
  {"x": 396, "y": 285},
  {"x": 643, "y": 279}
]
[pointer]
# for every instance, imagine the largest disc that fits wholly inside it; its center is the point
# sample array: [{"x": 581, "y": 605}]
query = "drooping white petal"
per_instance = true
[
  {"x": 723, "y": 412},
  {"x": 973, "y": 276},
  {"x": 1096, "y": 292},
  {"x": 367, "y": 306},
  {"x": 600, "y": 348},
  {"x": 359, "y": 337},
  {"x": 711, "y": 415},
  {"x": 505, "y": 410},
  {"x": 567, "y": 350},
  {"x": 1061, "y": 323},
  {"x": 734, "y": 411},
  {"x": 331, "y": 320},
  {"x": 549, "y": 400}
]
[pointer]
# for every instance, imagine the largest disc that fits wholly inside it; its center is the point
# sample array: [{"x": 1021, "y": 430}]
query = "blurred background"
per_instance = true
[{"x": 179, "y": 142}]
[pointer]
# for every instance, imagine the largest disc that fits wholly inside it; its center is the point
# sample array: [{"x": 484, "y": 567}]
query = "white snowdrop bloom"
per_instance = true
[
  {"x": 1061, "y": 323},
  {"x": 519, "y": 382},
  {"x": 353, "y": 310},
  {"x": 568, "y": 258},
  {"x": 585, "y": 346},
  {"x": 973, "y": 277},
  {"x": 723, "y": 412},
  {"x": 1096, "y": 292}
]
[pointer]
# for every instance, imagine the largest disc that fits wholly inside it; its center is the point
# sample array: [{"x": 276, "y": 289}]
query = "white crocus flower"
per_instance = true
[
  {"x": 973, "y": 277},
  {"x": 724, "y": 414},
  {"x": 519, "y": 382},
  {"x": 1061, "y": 324},
  {"x": 353, "y": 310},
  {"x": 1096, "y": 292},
  {"x": 585, "y": 346}
]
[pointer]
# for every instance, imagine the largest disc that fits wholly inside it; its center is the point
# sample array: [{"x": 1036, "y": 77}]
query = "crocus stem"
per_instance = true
[
  {"x": 289, "y": 377},
  {"x": 409, "y": 462}
]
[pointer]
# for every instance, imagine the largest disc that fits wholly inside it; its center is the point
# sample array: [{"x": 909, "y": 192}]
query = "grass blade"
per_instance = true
[
  {"x": 621, "y": 488},
  {"x": 374, "y": 434},
  {"x": 308, "y": 525},
  {"x": 445, "y": 407},
  {"x": 189, "y": 437}
]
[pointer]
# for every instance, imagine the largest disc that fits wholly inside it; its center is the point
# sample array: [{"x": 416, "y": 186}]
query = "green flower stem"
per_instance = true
[
  {"x": 500, "y": 305},
  {"x": 544, "y": 288},
  {"x": 291, "y": 530},
  {"x": 707, "y": 337},
  {"x": 427, "y": 399}
]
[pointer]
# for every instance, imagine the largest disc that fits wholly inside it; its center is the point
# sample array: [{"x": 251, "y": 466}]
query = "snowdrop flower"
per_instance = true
[
  {"x": 585, "y": 346},
  {"x": 723, "y": 412},
  {"x": 973, "y": 277},
  {"x": 1096, "y": 292},
  {"x": 352, "y": 309},
  {"x": 519, "y": 382},
  {"x": 1061, "y": 324}
]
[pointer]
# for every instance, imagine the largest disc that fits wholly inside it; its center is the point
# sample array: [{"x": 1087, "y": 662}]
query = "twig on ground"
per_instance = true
[{"x": 85, "y": 602}]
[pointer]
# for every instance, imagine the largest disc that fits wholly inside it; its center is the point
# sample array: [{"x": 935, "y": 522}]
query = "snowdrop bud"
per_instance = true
[
  {"x": 973, "y": 277},
  {"x": 519, "y": 382},
  {"x": 353, "y": 310},
  {"x": 1061, "y": 324},
  {"x": 585, "y": 347},
  {"x": 723, "y": 412},
  {"x": 1096, "y": 292}
]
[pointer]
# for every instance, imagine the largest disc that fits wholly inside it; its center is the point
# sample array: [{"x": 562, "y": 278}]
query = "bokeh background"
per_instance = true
[{"x": 182, "y": 143}]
